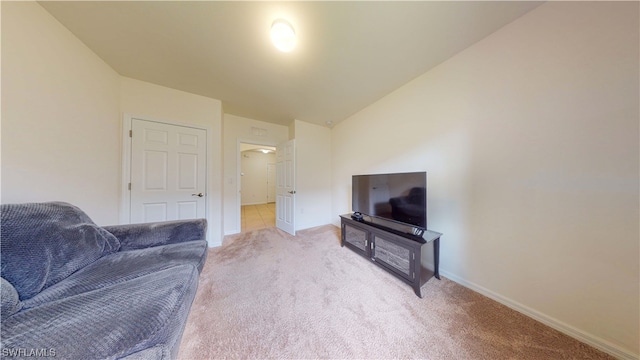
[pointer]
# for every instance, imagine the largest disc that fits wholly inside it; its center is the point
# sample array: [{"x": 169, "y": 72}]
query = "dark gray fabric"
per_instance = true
[
  {"x": 123, "y": 266},
  {"x": 110, "y": 322},
  {"x": 44, "y": 243},
  {"x": 138, "y": 236},
  {"x": 73, "y": 292},
  {"x": 10, "y": 301}
]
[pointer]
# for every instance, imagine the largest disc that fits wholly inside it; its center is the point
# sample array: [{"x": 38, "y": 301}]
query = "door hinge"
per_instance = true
[
  {"x": 130, "y": 133},
  {"x": 129, "y": 186}
]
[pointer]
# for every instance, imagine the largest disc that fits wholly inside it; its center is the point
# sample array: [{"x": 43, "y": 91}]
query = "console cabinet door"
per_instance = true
[
  {"x": 394, "y": 255},
  {"x": 356, "y": 238}
]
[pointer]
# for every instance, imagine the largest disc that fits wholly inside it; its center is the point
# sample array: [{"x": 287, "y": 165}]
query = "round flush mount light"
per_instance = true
[{"x": 283, "y": 36}]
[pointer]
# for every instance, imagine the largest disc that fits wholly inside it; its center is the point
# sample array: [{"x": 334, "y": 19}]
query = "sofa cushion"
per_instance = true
[
  {"x": 44, "y": 243},
  {"x": 110, "y": 322},
  {"x": 123, "y": 266},
  {"x": 10, "y": 301},
  {"x": 139, "y": 236}
]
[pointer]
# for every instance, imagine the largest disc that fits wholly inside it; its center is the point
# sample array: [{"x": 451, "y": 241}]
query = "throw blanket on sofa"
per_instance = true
[
  {"x": 75, "y": 290},
  {"x": 46, "y": 243}
]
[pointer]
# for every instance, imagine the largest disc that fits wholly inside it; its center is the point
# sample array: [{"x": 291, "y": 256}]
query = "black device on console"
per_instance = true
[{"x": 357, "y": 216}]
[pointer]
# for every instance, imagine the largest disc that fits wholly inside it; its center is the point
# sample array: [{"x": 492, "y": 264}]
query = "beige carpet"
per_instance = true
[{"x": 268, "y": 295}]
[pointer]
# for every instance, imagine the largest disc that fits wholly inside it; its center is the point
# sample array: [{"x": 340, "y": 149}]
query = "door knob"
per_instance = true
[
  {"x": 198, "y": 194},
  {"x": 292, "y": 192}
]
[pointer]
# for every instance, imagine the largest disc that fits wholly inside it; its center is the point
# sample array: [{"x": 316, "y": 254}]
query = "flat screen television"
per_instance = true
[{"x": 399, "y": 197}]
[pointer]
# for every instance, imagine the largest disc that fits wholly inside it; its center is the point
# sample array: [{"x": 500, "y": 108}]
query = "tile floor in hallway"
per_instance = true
[{"x": 259, "y": 216}]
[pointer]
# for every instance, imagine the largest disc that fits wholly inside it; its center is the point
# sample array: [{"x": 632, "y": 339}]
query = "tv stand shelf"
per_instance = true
[{"x": 403, "y": 255}]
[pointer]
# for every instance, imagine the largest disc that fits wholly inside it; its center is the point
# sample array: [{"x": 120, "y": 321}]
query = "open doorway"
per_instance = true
[{"x": 257, "y": 186}]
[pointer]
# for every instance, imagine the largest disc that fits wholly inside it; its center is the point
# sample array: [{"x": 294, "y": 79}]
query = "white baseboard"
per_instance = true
[
  {"x": 564, "y": 328},
  {"x": 232, "y": 232},
  {"x": 213, "y": 245}
]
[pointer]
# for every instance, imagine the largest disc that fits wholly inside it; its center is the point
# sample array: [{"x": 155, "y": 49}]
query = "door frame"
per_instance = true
[
  {"x": 125, "y": 194},
  {"x": 239, "y": 179}
]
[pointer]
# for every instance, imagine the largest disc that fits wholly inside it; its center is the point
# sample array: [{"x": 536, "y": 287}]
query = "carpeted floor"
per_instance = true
[{"x": 268, "y": 295}]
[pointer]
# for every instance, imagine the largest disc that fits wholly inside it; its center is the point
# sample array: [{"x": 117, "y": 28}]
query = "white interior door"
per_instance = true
[
  {"x": 168, "y": 172},
  {"x": 286, "y": 187}
]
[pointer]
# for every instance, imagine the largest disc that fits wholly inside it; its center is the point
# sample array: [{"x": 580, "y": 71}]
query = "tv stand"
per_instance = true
[{"x": 411, "y": 258}]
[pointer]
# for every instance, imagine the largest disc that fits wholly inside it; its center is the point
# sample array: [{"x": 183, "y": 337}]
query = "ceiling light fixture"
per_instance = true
[{"x": 283, "y": 36}]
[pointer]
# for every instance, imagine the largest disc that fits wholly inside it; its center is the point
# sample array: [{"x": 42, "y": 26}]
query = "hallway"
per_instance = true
[{"x": 258, "y": 216}]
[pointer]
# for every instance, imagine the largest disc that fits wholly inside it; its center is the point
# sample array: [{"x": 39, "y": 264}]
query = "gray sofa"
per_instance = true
[{"x": 74, "y": 290}]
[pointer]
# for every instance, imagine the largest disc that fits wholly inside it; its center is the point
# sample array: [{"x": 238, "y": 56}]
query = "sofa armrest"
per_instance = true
[{"x": 138, "y": 236}]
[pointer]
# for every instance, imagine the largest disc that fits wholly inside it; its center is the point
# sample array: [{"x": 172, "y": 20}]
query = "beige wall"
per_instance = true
[
  {"x": 254, "y": 180},
  {"x": 154, "y": 102},
  {"x": 530, "y": 142},
  {"x": 62, "y": 119},
  {"x": 237, "y": 129},
  {"x": 313, "y": 175},
  {"x": 60, "y": 116}
]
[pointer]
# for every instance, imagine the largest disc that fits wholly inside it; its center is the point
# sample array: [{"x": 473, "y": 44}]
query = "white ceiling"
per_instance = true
[{"x": 349, "y": 54}]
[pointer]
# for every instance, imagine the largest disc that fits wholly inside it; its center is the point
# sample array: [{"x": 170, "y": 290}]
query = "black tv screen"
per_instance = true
[{"x": 399, "y": 197}]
